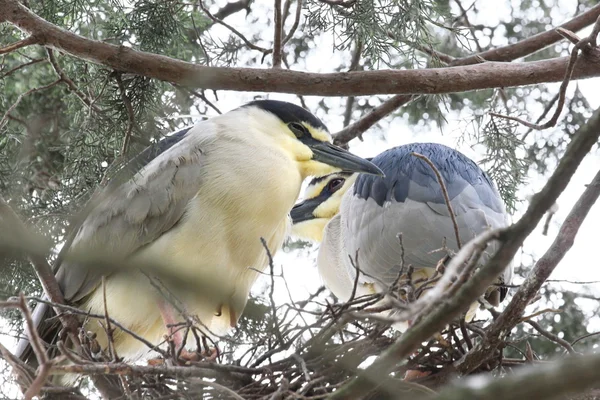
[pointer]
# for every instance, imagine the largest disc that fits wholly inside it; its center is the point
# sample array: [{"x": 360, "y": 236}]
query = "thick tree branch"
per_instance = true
[
  {"x": 426, "y": 81},
  {"x": 512, "y": 239},
  {"x": 511, "y": 316},
  {"x": 547, "y": 381},
  {"x": 533, "y": 43}
]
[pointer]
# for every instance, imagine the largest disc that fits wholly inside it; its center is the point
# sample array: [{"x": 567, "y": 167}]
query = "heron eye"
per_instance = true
[
  {"x": 335, "y": 184},
  {"x": 298, "y": 129}
]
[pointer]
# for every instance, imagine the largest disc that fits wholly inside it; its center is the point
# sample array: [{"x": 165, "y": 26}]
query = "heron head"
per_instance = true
[
  {"x": 305, "y": 139},
  {"x": 322, "y": 200}
]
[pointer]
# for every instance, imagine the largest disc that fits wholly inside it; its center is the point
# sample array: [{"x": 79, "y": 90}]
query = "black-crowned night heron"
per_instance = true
[
  {"x": 366, "y": 214},
  {"x": 197, "y": 207}
]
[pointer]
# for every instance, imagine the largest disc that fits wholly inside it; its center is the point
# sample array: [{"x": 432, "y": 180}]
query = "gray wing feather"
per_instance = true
[
  {"x": 373, "y": 231},
  {"x": 138, "y": 211}
]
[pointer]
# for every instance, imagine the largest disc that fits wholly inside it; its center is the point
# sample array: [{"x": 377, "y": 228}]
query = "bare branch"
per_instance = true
[
  {"x": 277, "y": 36},
  {"x": 290, "y": 34},
  {"x": 248, "y": 43},
  {"x": 444, "y": 192},
  {"x": 18, "y": 67},
  {"x": 506, "y": 53},
  {"x": 563, "y": 87},
  {"x": 18, "y": 45},
  {"x": 22, "y": 96}
]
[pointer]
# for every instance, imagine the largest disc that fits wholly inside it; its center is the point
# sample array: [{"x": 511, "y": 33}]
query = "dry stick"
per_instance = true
[
  {"x": 583, "y": 140},
  {"x": 20, "y": 44},
  {"x": 511, "y": 316},
  {"x": 277, "y": 36},
  {"x": 445, "y": 192},
  {"x": 425, "y": 81},
  {"x": 130, "y": 116},
  {"x": 533, "y": 43}
]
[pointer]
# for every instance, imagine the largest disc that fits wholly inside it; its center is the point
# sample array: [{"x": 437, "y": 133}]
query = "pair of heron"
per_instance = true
[{"x": 207, "y": 204}]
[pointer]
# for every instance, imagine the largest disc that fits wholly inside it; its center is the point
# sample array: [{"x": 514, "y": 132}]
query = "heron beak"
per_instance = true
[
  {"x": 336, "y": 157},
  {"x": 304, "y": 211}
]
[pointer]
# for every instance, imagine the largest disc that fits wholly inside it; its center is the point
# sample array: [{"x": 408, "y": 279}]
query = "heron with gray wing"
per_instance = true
[
  {"x": 197, "y": 208},
  {"x": 362, "y": 217}
]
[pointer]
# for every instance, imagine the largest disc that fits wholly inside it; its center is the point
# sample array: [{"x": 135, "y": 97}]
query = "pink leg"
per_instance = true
[{"x": 176, "y": 333}]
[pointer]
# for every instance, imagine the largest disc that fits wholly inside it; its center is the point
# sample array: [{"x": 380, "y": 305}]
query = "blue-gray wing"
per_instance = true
[{"x": 409, "y": 200}]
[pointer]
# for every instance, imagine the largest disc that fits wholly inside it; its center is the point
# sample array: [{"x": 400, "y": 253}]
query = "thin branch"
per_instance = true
[
  {"x": 506, "y": 53},
  {"x": 373, "y": 117},
  {"x": 22, "y": 96},
  {"x": 277, "y": 36},
  {"x": 533, "y": 43},
  {"x": 18, "y": 67},
  {"x": 248, "y": 43},
  {"x": 294, "y": 27},
  {"x": 70, "y": 84},
  {"x": 551, "y": 336},
  {"x": 130, "y": 116},
  {"x": 561, "y": 98},
  {"x": 18, "y": 45},
  {"x": 444, "y": 192}
]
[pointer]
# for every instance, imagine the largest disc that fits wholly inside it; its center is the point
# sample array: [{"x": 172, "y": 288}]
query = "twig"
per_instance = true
[
  {"x": 22, "y": 96},
  {"x": 290, "y": 34},
  {"x": 248, "y": 43},
  {"x": 533, "y": 43},
  {"x": 373, "y": 117},
  {"x": 551, "y": 336},
  {"x": 70, "y": 84},
  {"x": 18, "y": 67},
  {"x": 272, "y": 292},
  {"x": 561, "y": 98},
  {"x": 277, "y": 40},
  {"x": 444, "y": 192},
  {"x": 130, "y": 116},
  {"x": 109, "y": 330},
  {"x": 20, "y": 44}
]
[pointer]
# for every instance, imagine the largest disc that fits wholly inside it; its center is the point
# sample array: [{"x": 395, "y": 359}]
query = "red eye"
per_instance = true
[{"x": 335, "y": 184}]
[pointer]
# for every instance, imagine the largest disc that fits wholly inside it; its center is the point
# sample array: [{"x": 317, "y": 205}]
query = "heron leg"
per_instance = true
[{"x": 176, "y": 334}]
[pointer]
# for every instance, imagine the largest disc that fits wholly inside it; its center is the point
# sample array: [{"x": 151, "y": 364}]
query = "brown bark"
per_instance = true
[{"x": 359, "y": 83}]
